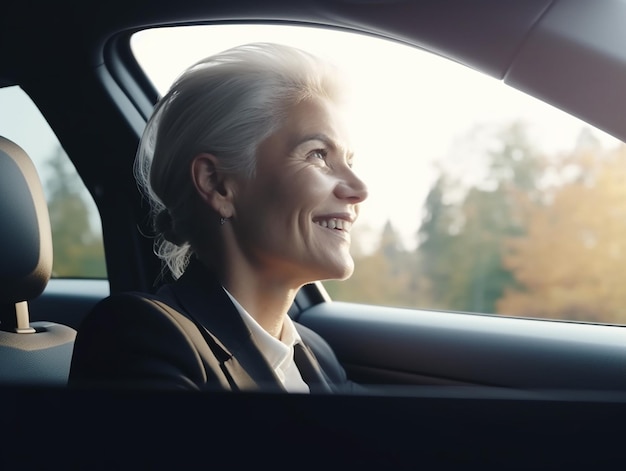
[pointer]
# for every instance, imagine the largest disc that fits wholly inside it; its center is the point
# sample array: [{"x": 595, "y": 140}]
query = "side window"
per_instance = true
[
  {"x": 482, "y": 199},
  {"x": 76, "y": 229}
]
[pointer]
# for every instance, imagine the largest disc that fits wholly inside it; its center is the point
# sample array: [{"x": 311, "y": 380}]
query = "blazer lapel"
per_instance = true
[
  {"x": 310, "y": 369},
  {"x": 204, "y": 300}
]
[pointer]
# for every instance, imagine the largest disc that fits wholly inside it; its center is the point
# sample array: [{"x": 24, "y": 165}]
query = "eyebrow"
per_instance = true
[{"x": 328, "y": 142}]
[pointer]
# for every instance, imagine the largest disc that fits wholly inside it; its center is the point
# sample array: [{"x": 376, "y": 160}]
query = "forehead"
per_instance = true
[{"x": 317, "y": 119}]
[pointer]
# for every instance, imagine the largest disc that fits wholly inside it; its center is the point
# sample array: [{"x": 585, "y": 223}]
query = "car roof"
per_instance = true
[
  {"x": 464, "y": 31},
  {"x": 535, "y": 45}
]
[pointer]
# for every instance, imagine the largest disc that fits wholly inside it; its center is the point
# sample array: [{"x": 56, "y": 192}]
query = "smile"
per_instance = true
[{"x": 335, "y": 223}]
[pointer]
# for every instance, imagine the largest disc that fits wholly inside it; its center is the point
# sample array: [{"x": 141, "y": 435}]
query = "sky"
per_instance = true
[{"x": 411, "y": 108}]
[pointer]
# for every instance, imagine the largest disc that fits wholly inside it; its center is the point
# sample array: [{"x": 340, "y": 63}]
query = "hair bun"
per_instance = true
[{"x": 164, "y": 224}]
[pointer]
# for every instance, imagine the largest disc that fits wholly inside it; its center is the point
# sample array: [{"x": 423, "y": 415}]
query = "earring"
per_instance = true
[{"x": 222, "y": 220}]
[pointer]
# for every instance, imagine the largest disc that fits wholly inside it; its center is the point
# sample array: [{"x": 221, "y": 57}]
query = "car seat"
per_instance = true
[{"x": 38, "y": 352}]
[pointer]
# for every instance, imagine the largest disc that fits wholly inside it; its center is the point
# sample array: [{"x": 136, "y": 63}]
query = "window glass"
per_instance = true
[
  {"x": 481, "y": 198},
  {"x": 75, "y": 222}
]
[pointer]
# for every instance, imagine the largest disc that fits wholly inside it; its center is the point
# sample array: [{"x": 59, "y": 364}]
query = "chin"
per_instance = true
[
  {"x": 339, "y": 267},
  {"x": 342, "y": 273}
]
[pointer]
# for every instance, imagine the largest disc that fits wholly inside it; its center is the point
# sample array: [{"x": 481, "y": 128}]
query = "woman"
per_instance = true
[{"x": 247, "y": 166}]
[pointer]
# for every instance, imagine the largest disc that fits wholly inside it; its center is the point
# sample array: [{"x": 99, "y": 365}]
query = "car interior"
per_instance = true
[
  {"x": 447, "y": 388},
  {"x": 37, "y": 351}
]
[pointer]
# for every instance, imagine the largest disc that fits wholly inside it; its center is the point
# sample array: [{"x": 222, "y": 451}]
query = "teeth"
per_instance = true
[{"x": 335, "y": 223}]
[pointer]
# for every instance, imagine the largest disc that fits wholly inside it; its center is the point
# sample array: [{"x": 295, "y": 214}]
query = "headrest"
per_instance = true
[{"x": 25, "y": 237}]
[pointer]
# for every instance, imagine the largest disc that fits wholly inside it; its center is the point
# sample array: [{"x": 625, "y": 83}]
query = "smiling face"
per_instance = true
[{"x": 293, "y": 219}]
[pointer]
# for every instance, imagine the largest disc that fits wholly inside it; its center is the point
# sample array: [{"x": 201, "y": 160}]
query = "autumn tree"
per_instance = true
[
  {"x": 569, "y": 262},
  {"x": 534, "y": 236}
]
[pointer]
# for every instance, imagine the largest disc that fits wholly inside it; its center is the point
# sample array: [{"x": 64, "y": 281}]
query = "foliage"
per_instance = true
[
  {"x": 531, "y": 235},
  {"x": 569, "y": 263},
  {"x": 462, "y": 241},
  {"x": 77, "y": 247}
]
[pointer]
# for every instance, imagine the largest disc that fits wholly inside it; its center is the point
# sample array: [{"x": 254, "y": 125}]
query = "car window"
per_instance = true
[
  {"x": 481, "y": 198},
  {"x": 75, "y": 222}
]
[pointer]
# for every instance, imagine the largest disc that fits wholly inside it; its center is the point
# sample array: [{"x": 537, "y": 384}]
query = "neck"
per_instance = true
[
  {"x": 267, "y": 303},
  {"x": 266, "y": 297}
]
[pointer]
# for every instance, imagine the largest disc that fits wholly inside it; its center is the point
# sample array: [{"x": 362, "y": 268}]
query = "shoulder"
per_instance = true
[
  {"x": 127, "y": 314},
  {"x": 136, "y": 339}
]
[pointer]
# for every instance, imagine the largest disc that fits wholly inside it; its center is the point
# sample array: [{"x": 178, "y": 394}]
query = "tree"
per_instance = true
[
  {"x": 462, "y": 236},
  {"x": 569, "y": 263},
  {"x": 77, "y": 246}
]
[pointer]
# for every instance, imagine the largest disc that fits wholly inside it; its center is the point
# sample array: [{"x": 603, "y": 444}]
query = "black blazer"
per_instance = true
[{"x": 188, "y": 336}]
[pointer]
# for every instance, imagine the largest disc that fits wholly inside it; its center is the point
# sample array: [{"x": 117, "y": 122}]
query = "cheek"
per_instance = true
[
  {"x": 293, "y": 196},
  {"x": 308, "y": 189},
  {"x": 289, "y": 200}
]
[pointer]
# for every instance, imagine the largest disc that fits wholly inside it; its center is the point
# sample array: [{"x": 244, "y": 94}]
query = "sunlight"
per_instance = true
[{"x": 411, "y": 109}]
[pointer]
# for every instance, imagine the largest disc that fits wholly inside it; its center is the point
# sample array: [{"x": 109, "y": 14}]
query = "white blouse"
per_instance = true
[{"x": 278, "y": 353}]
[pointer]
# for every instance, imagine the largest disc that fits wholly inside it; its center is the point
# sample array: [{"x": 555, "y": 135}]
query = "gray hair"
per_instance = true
[{"x": 225, "y": 105}]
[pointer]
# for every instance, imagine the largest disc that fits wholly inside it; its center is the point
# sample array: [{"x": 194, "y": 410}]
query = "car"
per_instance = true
[{"x": 540, "y": 385}]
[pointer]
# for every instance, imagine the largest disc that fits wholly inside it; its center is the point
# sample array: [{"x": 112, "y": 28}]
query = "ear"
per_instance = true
[{"x": 214, "y": 188}]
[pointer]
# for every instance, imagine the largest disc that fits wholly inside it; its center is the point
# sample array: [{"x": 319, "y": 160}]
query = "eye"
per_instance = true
[{"x": 319, "y": 154}]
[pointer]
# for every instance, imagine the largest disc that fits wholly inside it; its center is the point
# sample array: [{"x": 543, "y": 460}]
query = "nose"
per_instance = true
[{"x": 351, "y": 187}]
